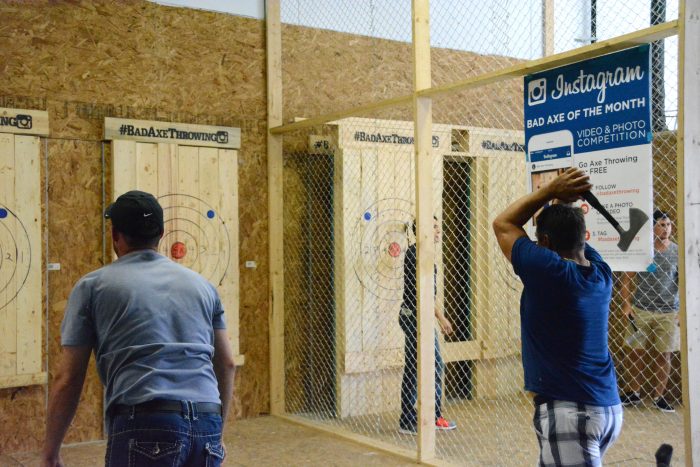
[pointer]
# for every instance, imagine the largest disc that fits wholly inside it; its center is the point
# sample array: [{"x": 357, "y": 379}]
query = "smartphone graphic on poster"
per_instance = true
[{"x": 548, "y": 155}]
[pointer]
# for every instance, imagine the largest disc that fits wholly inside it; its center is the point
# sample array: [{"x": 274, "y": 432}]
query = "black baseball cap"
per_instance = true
[{"x": 136, "y": 213}]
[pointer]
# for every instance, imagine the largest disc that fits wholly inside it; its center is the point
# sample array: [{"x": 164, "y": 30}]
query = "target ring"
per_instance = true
[
  {"x": 380, "y": 242},
  {"x": 15, "y": 256},
  {"x": 195, "y": 236}
]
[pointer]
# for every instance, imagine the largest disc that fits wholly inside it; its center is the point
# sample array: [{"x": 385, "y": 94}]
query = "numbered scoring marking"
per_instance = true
[
  {"x": 15, "y": 256},
  {"x": 380, "y": 241},
  {"x": 195, "y": 236}
]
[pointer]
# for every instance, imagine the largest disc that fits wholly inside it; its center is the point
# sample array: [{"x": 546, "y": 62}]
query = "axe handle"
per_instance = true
[{"x": 593, "y": 201}]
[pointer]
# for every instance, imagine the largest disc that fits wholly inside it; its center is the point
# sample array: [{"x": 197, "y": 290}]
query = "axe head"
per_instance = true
[{"x": 637, "y": 220}]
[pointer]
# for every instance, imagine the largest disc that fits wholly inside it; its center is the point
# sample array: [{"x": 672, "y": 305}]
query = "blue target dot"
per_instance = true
[
  {"x": 651, "y": 268},
  {"x": 211, "y": 214},
  {"x": 3, "y": 213},
  {"x": 367, "y": 216}
]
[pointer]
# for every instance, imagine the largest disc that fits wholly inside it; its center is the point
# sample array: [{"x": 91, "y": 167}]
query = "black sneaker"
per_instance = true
[
  {"x": 663, "y": 405},
  {"x": 408, "y": 430},
  {"x": 631, "y": 398}
]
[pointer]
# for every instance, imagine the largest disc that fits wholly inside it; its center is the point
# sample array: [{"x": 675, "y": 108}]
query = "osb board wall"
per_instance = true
[
  {"x": 75, "y": 241},
  {"x": 83, "y": 61},
  {"x": 325, "y": 71}
]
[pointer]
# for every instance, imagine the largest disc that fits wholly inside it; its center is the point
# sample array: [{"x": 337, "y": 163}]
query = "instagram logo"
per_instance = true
[{"x": 537, "y": 91}]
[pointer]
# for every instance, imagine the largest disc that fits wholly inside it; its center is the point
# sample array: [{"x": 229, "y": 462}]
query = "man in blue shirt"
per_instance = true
[
  {"x": 564, "y": 324},
  {"x": 158, "y": 334}
]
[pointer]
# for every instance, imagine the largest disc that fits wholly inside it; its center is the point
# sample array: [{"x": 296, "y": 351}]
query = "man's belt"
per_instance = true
[{"x": 164, "y": 405}]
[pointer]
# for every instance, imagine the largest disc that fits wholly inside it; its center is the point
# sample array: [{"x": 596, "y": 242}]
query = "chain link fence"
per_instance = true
[{"x": 349, "y": 210}]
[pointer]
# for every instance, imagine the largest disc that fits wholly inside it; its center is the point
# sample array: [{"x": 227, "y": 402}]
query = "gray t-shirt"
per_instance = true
[
  {"x": 151, "y": 324},
  {"x": 658, "y": 290}
]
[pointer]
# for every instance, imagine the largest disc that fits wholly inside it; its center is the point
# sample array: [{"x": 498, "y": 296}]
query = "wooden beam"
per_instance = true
[
  {"x": 461, "y": 351},
  {"x": 300, "y": 124},
  {"x": 689, "y": 220},
  {"x": 547, "y": 27},
  {"x": 17, "y": 381},
  {"x": 423, "y": 129},
  {"x": 626, "y": 41},
  {"x": 643, "y": 36},
  {"x": 275, "y": 205}
]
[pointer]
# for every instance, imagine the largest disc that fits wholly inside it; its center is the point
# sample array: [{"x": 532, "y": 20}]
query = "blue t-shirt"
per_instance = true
[
  {"x": 151, "y": 324},
  {"x": 564, "y": 323}
]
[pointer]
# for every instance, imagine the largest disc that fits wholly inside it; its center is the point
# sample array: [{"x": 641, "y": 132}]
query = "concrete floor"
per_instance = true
[
  {"x": 499, "y": 432},
  {"x": 262, "y": 441},
  {"x": 485, "y": 437}
]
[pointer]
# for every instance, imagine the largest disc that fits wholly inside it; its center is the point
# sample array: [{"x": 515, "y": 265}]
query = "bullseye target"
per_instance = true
[
  {"x": 380, "y": 239},
  {"x": 195, "y": 236},
  {"x": 15, "y": 256}
]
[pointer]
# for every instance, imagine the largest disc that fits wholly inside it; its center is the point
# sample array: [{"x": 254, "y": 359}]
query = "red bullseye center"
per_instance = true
[
  {"x": 178, "y": 250},
  {"x": 394, "y": 249}
]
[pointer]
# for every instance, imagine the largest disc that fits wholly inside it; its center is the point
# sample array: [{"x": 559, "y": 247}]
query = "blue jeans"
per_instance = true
[
  {"x": 165, "y": 439},
  {"x": 409, "y": 384}
]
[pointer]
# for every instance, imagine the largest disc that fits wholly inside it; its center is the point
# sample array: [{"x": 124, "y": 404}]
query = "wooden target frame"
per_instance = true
[
  {"x": 193, "y": 171},
  {"x": 21, "y": 247}
]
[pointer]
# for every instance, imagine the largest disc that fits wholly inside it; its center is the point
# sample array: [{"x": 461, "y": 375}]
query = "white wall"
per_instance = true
[{"x": 250, "y": 8}]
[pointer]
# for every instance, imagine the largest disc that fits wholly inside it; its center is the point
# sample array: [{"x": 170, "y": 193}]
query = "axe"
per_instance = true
[{"x": 637, "y": 221}]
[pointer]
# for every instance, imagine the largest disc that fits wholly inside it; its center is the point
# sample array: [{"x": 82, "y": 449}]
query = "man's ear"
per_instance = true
[{"x": 543, "y": 241}]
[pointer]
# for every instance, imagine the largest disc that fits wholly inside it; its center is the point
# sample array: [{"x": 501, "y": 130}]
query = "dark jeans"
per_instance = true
[
  {"x": 165, "y": 439},
  {"x": 409, "y": 385}
]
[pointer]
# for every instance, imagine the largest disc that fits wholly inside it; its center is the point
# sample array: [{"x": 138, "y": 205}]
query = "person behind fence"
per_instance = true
[
  {"x": 158, "y": 333},
  {"x": 408, "y": 323},
  {"x": 564, "y": 311},
  {"x": 652, "y": 310}
]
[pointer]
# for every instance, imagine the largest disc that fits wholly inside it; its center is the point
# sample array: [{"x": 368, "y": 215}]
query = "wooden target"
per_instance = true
[
  {"x": 20, "y": 248},
  {"x": 197, "y": 188}
]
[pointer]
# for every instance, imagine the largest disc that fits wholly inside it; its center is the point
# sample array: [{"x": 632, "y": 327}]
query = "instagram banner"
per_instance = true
[{"x": 596, "y": 115}]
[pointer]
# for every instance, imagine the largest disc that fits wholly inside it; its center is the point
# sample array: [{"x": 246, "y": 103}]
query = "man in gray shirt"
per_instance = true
[
  {"x": 653, "y": 314},
  {"x": 158, "y": 333}
]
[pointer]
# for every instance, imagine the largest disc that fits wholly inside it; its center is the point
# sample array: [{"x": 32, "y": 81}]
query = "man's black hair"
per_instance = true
[
  {"x": 564, "y": 225},
  {"x": 139, "y": 242},
  {"x": 659, "y": 214}
]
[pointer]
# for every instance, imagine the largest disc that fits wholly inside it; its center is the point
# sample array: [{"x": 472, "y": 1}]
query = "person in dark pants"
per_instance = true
[
  {"x": 564, "y": 310},
  {"x": 408, "y": 323},
  {"x": 161, "y": 349}
]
